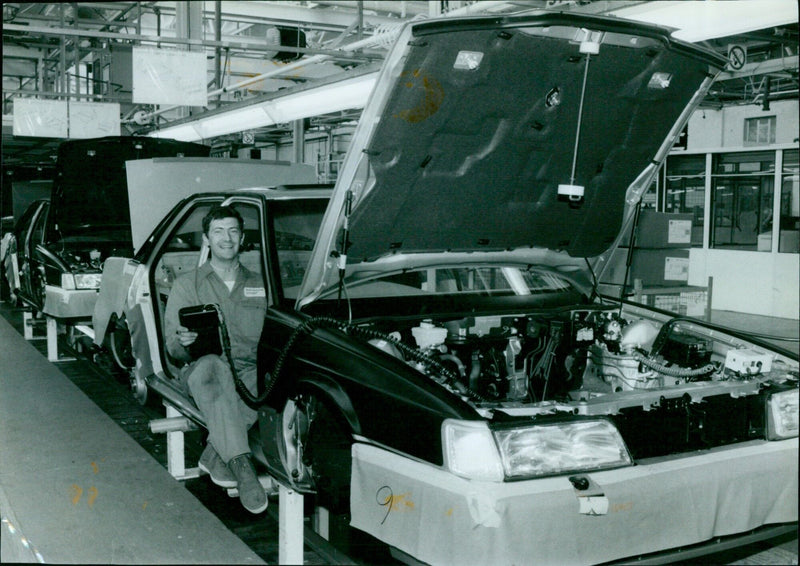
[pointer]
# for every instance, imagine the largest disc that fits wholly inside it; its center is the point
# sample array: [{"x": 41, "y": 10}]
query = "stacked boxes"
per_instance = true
[{"x": 661, "y": 255}]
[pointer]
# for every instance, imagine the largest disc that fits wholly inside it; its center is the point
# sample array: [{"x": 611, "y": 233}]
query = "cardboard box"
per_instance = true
[
  {"x": 655, "y": 267},
  {"x": 661, "y": 267},
  {"x": 662, "y": 230}
]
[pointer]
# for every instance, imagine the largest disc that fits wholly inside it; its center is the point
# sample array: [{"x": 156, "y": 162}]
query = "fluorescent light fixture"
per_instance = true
[
  {"x": 324, "y": 99},
  {"x": 698, "y": 20},
  {"x": 181, "y": 132}
]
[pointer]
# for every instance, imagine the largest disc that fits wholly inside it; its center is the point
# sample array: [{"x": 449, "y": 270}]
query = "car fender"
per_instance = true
[
  {"x": 117, "y": 276},
  {"x": 11, "y": 266},
  {"x": 378, "y": 388},
  {"x": 280, "y": 436},
  {"x": 141, "y": 341},
  {"x": 325, "y": 386}
]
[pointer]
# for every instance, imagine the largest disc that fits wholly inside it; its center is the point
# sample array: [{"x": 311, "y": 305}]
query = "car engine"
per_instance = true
[{"x": 576, "y": 354}]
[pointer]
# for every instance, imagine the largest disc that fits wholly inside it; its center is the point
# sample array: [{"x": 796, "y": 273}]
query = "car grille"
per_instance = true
[{"x": 681, "y": 425}]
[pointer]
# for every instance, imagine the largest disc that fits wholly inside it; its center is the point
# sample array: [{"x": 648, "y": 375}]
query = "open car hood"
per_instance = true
[
  {"x": 486, "y": 135},
  {"x": 90, "y": 194}
]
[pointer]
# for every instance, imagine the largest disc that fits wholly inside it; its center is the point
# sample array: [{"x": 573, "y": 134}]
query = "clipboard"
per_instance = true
[{"x": 205, "y": 320}]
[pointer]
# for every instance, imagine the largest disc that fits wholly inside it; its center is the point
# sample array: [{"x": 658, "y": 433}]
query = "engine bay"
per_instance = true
[{"x": 585, "y": 355}]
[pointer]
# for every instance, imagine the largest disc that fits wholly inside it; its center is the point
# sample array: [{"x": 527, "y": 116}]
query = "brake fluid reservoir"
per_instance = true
[
  {"x": 639, "y": 334},
  {"x": 428, "y": 336}
]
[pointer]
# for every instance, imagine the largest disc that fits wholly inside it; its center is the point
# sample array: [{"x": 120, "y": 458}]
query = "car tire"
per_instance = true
[
  {"x": 138, "y": 386},
  {"x": 38, "y": 284},
  {"x": 327, "y": 452},
  {"x": 119, "y": 342}
]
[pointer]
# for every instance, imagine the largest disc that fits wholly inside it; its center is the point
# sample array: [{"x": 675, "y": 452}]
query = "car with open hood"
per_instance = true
[
  {"x": 62, "y": 241},
  {"x": 437, "y": 360}
]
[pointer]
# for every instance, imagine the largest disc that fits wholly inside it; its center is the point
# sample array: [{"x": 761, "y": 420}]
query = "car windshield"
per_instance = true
[
  {"x": 447, "y": 289},
  {"x": 486, "y": 281}
]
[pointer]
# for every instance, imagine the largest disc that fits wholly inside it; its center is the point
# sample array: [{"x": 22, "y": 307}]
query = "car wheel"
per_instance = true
[
  {"x": 119, "y": 342},
  {"x": 138, "y": 386},
  {"x": 327, "y": 452},
  {"x": 38, "y": 288}
]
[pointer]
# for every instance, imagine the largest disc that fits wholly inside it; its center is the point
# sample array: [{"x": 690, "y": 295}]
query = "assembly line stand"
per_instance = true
[{"x": 290, "y": 502}]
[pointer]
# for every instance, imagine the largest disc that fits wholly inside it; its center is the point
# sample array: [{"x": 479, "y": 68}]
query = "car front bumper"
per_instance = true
[
  {"x": 439, "y": 518},
  {"x": 63, "y": 303}
]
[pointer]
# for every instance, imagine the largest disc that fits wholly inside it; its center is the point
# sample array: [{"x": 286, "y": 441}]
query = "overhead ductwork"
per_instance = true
[{"x": 285, "y": 37}]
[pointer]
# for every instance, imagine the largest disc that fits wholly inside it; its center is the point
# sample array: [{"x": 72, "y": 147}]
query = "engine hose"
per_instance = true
[{"x": 672, "y": 371}]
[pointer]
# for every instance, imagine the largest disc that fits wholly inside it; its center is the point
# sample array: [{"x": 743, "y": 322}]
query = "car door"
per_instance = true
[
  {"x": 29, "y": 234},
  {"x": 180, "y": 249}
]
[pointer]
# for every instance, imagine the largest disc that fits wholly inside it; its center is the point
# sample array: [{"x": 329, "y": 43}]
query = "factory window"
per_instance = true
[
  {"x": 686, "y": 189},
  {"x": 742, "y": 188},
  {"x": 790, "y": 204},
  {"x": 759, "y": 131}
]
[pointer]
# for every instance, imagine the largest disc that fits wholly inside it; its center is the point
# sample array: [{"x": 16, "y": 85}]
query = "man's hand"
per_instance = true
[{"x": 185, "y": 336}]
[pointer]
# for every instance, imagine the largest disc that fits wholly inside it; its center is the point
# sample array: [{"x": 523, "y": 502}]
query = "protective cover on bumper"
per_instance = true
[
  {"x": 442, "y": 519},
  {"x": 61, "y": 303}
]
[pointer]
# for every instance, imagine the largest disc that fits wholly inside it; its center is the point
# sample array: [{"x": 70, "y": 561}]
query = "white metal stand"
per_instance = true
[
  {"x": 290, "y": 526},
  {"x": 174, "y": 426},
  {"x": 52, "y": 342},
  {"x": 290, "y": 503},
  {"x": 322, "y": 522},
  {"x": 28, "y": 324}
]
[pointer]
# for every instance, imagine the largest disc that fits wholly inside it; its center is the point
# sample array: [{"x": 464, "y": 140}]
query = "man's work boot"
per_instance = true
[
  {"x": 251, "y": 492},
  {"x": 212, "y": 464}
]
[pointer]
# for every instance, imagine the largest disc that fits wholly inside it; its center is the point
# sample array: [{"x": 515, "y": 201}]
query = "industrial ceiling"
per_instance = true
[{"x": 257, "y": 50}]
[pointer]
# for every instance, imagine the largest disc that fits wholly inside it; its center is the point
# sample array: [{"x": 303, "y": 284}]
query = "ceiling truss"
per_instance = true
[{"x": 59, "y": 50}]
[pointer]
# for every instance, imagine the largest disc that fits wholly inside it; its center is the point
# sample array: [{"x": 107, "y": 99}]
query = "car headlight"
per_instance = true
[
  {"x": 88, "y": 280},
  {"x": 470, "y": 450},
  {"x": 783, "y": 419},
  {"x": 562, "y": 447},
  {"x": 473, "y": 451}
]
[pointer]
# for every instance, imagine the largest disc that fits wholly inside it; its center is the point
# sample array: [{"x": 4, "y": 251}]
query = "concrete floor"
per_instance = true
[{"x": 75, "y": 488}]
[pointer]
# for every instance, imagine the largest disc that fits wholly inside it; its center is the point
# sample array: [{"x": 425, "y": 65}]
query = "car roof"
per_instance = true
[{"x": 282, "y": 192}]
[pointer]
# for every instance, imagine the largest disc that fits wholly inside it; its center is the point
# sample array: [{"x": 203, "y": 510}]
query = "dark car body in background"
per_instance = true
[
  {"x": 61, "y": 252},
  {"x": 27, "y": 278},
  {"x": 436, "y": 361}
]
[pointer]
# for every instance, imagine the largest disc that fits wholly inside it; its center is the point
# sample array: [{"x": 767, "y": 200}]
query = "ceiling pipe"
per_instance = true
[{"x": 254, "y": 45}]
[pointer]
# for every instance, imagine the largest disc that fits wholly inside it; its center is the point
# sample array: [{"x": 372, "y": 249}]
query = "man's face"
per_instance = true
[{"x": 224, "y": 238}]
